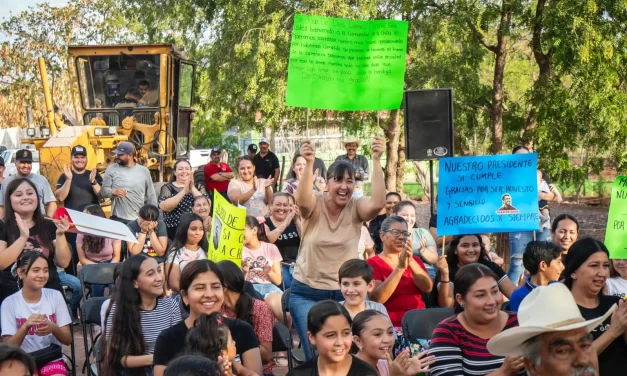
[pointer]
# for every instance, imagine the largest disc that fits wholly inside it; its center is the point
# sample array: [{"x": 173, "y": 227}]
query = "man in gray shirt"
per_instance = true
[
  {"x": 24, "y": 165},
  {"x": 128, "y": 184}
]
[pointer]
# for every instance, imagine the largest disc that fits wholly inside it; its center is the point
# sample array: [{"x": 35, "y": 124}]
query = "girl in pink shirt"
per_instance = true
[{"x": 261, "y": 263}]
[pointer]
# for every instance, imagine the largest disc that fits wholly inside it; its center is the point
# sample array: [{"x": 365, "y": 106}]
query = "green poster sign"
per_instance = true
[
  {"x": 616, "y": 231},
  {"x": 339, "y": 64}
]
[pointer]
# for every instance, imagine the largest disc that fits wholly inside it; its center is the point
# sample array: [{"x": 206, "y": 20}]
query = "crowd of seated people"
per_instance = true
[{"x": 353, "y": 267}]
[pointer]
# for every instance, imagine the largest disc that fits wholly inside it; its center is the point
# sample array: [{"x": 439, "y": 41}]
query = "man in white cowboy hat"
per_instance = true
[
  {"x": 553, "y": 337},
  {"x": 360, "y": 162}
]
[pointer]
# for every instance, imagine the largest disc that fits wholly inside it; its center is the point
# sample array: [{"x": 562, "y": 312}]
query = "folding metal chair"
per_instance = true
[
  {"x": 90, "y": 317},
  {"x": 297, "y": 355},
  {"x": 96, "y": 274},
  {"x": 420, "y": 323},
  {"x": 72, "y": 357},
  {"x": 98, "y": 351},
  {"x": 282, "y": 341}
]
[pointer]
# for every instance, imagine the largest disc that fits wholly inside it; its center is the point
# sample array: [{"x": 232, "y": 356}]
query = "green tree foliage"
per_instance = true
[{"x": 45, "y": 31}]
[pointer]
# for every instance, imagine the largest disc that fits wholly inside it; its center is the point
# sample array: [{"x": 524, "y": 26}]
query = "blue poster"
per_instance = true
[{"x": 495, "y": 193}]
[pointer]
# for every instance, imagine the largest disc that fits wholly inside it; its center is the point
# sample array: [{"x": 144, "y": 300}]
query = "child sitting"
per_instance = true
[
  {"x": 356, "y": 282},
  {"x": 35, "y": 318},
  {"x": 211, "y": 338},
  {"x": 543, "y": 260}
]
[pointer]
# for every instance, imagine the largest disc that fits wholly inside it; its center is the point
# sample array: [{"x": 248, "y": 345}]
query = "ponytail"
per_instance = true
[
  {"x": 234, "y": 281},
  {"x": 209, "y": 337}
]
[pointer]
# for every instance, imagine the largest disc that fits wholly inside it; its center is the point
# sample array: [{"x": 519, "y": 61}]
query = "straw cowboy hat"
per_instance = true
[
  {"x": 351, "y": 140},
  {"x": 546, "y": 309}
]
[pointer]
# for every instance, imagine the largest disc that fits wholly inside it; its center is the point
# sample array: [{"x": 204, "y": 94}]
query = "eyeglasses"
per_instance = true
[{"x": 397, "y": 233}]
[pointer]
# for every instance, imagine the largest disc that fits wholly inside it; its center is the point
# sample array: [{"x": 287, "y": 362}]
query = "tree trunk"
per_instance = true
[
  {"x": 423, "y": 177},
  {"x": 544, "y": 64},
  {"x": 400, "y": 167},
  {"x": 392, "y": 129},
  {"x": 496, "y": 112}
]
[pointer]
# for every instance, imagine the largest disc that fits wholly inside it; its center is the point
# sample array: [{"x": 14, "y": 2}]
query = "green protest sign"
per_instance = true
[
  {"x": 339, "y": 64},
  {"x": 616, "y": 231}
]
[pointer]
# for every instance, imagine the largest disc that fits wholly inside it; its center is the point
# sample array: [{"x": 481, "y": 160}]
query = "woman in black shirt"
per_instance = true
[
  {"x": 465, "y": 250},
  {"x": 24, "y": 228},
  {"x": 284, "y": 227},
  {"x": 202, "y": 290},
  {"x": 329, "y": 331},
  {"x": 177, "y": 197},
  {"x": 587, "y": 267}
]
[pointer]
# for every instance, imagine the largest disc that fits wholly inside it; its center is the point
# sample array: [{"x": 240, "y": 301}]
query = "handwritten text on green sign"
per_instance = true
[{"x": 340, "y": 64}]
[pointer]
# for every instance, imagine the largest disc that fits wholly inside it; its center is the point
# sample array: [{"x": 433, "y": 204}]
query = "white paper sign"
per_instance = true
[{"x": 97, "y": 226}]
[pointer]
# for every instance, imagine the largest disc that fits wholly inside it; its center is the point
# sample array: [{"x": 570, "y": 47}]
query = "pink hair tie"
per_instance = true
[{"x": 261, "y": 220}]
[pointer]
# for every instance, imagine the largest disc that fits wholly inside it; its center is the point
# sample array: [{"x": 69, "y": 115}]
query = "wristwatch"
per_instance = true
[{"x": 94, "y": 182}]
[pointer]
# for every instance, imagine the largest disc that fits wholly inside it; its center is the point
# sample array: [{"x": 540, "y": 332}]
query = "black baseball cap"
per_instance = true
[
  {"x": 24, "y": 155},
  {"x": 214, "y": 150},
  {"x": 79, "y": 149},
  {"x": 253, "y": 148}
]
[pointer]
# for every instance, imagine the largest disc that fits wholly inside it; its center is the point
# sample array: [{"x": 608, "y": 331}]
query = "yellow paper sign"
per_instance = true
[{"x": 227, "y": 238}]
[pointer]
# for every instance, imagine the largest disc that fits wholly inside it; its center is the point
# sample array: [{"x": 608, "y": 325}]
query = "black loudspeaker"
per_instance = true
[{"x": 428, "y": 124}]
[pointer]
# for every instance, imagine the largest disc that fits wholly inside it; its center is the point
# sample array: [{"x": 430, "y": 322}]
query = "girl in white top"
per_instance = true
[
  {"x": 616, "y": 285},
  {"x": 190, "y": 243},
  {"x": 36, "y": 317},
  {"x": 250, "y": 192}
]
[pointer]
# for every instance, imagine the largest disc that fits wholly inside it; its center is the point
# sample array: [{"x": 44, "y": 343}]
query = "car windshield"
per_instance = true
[{"x": 119, "y": 81}]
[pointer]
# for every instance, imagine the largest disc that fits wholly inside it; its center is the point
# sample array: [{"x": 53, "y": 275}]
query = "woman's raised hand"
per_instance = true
[
  {"x": 308, "y": 151},
  {"x": 378, "y": 147}
]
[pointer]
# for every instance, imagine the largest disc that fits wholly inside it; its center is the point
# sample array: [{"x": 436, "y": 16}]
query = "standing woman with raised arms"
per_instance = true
[{"x": 332, "y": 223}]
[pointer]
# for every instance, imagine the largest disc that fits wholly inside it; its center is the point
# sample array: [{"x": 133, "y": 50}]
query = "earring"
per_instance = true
[
  {"x": 573, "y": 276},
  {"x": 461, "y": 305}
]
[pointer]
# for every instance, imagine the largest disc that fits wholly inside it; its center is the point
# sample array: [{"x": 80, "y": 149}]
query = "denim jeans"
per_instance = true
[
  {"x": 286, "y": 275},
  {"x": 73, "y": 284},
  {"x": 266, "y": 289},
  {"x": 302, "y": 298},
  {"x": 98, "y": 290},
  {"x": 544, "y": 235}
]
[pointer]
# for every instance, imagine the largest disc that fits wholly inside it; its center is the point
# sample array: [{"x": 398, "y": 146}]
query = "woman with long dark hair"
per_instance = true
[
  {"x": 136, "y": 318},
  {"x": 332, "y": 222},
  {"x": 239, "y": 304},
  {"x": 587, "y": 268},
  {"x": 465, "y": 250},
  {"x": 202, "y": 291},
  {"x": 177, "y": 197},
  {"x": 24, "y": 228},
  {"x": 564, "y": 231},
  {"x": 190, "y": 243},
  {"x": 459, "y": 343},
  {"x": 249, "y": 191}
]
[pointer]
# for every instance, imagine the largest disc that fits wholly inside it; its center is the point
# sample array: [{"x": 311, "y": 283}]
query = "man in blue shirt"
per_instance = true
[{"x": 543, "y": 261}]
